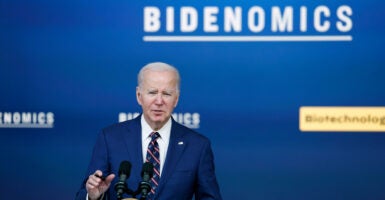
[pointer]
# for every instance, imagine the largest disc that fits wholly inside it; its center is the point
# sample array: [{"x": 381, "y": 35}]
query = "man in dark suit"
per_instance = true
[{"x": 183, "y": 159}]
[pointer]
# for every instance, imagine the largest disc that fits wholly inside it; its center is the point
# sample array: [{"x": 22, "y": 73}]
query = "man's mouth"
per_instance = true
[{"x": 157, "y": 111}]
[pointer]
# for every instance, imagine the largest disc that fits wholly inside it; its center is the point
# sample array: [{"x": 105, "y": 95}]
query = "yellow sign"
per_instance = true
[{"x": 348, "y": 119}]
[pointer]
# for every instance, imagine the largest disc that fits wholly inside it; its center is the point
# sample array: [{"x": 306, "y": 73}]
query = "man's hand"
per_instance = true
[{"x": 96, "y": 186}]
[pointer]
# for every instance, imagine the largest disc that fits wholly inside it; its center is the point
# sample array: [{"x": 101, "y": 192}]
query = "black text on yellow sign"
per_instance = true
[{"x": 342, "y": 119}]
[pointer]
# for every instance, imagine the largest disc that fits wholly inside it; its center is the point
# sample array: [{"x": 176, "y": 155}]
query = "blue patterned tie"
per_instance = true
[{"x": 153, "y": 157}]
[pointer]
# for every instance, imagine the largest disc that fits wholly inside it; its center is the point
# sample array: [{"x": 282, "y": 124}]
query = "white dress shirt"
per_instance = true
[{"x": 163, "y": 140}]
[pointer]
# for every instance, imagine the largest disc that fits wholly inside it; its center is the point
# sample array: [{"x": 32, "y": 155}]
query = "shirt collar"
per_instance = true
[{"x": 164, "y": 132}]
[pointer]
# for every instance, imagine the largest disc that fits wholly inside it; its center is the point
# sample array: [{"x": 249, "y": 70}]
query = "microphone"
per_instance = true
[
  {"x": 124, "y": 173},
  {"x": 147, "y": 173}
]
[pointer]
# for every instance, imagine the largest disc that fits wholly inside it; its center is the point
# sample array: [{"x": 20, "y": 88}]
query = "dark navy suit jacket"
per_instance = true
[{"x": 188, "y": 169}]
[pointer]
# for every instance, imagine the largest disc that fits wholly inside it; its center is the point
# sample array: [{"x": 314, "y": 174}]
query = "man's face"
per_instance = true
[{"x": 158, "y": 97}]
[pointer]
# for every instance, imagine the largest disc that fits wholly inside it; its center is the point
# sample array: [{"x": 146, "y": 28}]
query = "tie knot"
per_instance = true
[{"x": 154, "y": 135}]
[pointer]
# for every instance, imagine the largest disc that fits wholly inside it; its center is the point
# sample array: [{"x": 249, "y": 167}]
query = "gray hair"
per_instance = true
[{"x": 159, "y": 67}]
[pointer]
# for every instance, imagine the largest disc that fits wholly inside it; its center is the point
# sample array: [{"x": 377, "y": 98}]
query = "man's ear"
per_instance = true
[
  {"x": 177, "y": 100},
  {"x": 138, "y": 96}
]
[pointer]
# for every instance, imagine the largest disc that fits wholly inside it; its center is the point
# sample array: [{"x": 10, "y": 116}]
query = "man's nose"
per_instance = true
[{"x": 159, "y": 99}]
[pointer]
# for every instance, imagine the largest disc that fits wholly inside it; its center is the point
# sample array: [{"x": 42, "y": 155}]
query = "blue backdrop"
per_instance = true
[{"x": 71, "y": 66}]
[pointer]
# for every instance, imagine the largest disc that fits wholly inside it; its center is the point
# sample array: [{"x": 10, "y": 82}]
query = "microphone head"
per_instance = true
[
  {"x": 148, "y": 168},
  {"x": 125, "y": 168}
]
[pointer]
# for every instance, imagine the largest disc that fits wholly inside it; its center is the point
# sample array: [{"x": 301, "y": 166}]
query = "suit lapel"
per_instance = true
[
  {"x": 175, "y": 150},
  {"x": 133, "y": 142}
]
